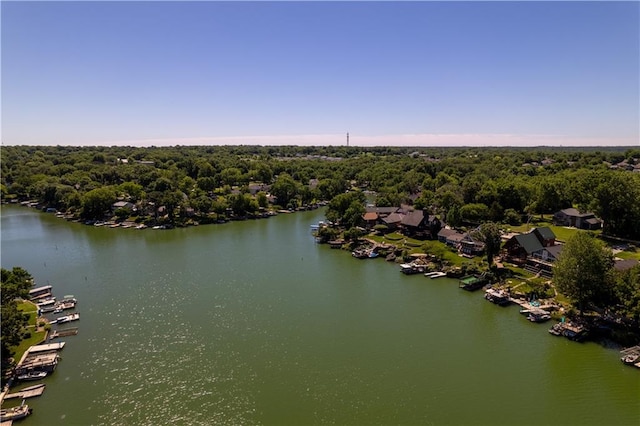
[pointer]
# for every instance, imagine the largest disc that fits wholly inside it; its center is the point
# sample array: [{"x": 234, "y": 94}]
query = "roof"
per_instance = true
[
  {"x": 370, "y": 216},
  {"x": 529, "y": 242},
  {"x": 393, "y": 218},
  {"x": 623, "y": 265},
  {"x": 546, "y": 233},
  {"x": 457, "y": 237},
  {"x": 381, "y": 210},
  {"x": 555, "y": 250},
  {"x": 413, "y": 218},
  {"x": 445, "y": 232},
  {"x": 593, "y": 221},
  {"x": 575, "y": 212}
]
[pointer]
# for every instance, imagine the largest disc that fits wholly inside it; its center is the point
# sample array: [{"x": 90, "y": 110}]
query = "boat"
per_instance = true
[
  {"x": 430, "y": 274},
  {"x": 33, "y": 375},
  {"x": 67, "y": 318},
  {"x": 46, "y": 302},
  {"x": 438, "y": 275},
  {"x": 556, "y": 329},
  {"x": 499, "y": 297},
  {"x": 538, "y": 316},
  {"x": 411, "y": 268},
  {"x": 15, "y": 413},
  {"x": 630, "y": 359}
]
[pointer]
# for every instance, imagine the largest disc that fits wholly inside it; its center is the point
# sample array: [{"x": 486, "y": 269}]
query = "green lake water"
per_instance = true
[{"x": 253, "y": 323}]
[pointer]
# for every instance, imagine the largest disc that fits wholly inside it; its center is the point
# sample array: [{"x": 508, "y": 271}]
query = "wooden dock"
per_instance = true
[
  {"x": 29, "y": 392},
  {"x": 63, "y": 333}
]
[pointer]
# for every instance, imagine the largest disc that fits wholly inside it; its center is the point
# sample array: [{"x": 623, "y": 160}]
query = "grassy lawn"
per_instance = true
[
  {"x": 36, "y": 336},
  {"x": 35, "y": 339},
  {"x": 31, "y": 309},
  {"x": 630, "y": 253},
  {"x": 561, "y": 233}
]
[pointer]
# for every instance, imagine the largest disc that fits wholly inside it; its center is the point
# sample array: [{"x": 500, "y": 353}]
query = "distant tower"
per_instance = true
[{"x": 347, "y": 138}]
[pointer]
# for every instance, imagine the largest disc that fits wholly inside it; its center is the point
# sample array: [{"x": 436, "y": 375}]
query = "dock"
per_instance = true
[
  {"x": 46, "y": 348},
  {"x": 63, "y": 333},
  {"x": 29, "y": 392}
]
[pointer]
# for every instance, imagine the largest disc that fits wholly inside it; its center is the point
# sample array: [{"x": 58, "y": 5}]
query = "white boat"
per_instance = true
[
  {"x": 430, "y": 274},
  {"x": 438, "y": 275},
  {"x": 67, "y": 318},
  {"x": 47, "y": 302},
  {"x": 33, "y": 375}
]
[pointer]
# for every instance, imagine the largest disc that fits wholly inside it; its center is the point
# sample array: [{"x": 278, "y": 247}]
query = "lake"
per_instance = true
[{"x": 254, "y": 323}]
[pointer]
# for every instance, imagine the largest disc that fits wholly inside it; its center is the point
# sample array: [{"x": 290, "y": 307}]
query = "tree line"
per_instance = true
[{"x": 462, "y": 185}]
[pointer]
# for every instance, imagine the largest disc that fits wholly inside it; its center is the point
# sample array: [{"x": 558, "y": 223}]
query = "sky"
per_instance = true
[{"x": 306, "y": 73}]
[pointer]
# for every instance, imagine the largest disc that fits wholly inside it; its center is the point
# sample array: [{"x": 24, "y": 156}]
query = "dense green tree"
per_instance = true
[
  {"x": 627, "y": 293},
  {"x": 474, "y": 213},
  {"x": 97, "y": 201},
  {"x": 489, "y": 234},
  {"x": 285, "y": 189},
  {"x": 15, "y": 284},
  {"x": 584, "y": 271},
  {"x": 340, "y": 204},
  {"x": 617, "y": 202}
]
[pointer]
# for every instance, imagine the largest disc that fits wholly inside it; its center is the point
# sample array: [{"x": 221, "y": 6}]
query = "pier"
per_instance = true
[
  {"x": 29, "y": 392},
  {"x": 63, "y": 333}
]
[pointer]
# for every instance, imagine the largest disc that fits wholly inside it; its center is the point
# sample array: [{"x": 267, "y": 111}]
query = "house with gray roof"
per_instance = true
[
  {"x": 573, "y": 217},
  {"x": 417, "y": 224}
]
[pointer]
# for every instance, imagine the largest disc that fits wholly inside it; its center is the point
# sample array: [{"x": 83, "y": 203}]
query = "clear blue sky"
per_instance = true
[{"x": 410, "y": 73}]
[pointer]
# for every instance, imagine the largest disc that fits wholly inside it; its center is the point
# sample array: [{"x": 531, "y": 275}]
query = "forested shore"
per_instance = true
[{"x": 461, "y": 185}]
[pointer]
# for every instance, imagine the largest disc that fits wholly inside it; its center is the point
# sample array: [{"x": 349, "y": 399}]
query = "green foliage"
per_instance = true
[
  {"x": 15, "y": 284},
  {"x": 627, "y": 293},
  {"x": 347, "y": 209},
  {"x": 285, "y": 188},
  {"x": 97, "y": 201},
  {"x": 510, "y": 181},
  {"x": 489, "y": 234},
  {"x": 584, "y": 271}
]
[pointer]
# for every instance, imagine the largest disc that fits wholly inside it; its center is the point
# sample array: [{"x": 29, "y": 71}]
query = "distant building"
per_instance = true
[{"x": 573, "y": 217}]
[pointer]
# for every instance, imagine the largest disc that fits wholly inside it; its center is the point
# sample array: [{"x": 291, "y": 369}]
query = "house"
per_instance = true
[
  {"x": 122, "y": 205},
  {"x": 470, "y": 246},
  {"x": 420, "y": 225},
  {"x": 545, "y": 235},
  {"x": 370, "y": 218},
  {"x": 536, "y": 250},
  {"x": 573, "y": 217},
  {"x": 254, "y": 188},
  {"x": 382, "y": 211},
  {"x": 393, "y": 221},
  {"x": 450, "y": 237}
]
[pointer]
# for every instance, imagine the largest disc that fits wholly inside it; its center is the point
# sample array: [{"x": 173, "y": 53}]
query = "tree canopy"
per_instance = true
[
  {"x": 584, "y": 271},
  {"x": 15, "y": 284}
]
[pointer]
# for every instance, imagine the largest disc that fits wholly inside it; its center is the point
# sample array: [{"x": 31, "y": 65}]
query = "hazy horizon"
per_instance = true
[{"x": 306, "y": 73}]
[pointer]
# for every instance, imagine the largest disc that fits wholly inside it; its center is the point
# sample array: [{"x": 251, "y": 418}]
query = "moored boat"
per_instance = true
[
  {"x": 33, "y": 375},
  {"x": 15, "y": 413},
  {"x": 67, "y": 318},
  {"x": 499, "y": 297}
]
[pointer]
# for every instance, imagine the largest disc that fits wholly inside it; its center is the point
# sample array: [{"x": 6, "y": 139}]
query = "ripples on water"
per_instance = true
[{"x": 167, "y": 366}]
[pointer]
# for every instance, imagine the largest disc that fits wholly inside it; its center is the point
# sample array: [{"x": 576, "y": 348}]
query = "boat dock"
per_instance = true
[
  {"x": 63, "y": 333},
  {"x": 29, "y": 392},
  {"x": 46, "y": 348}
]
